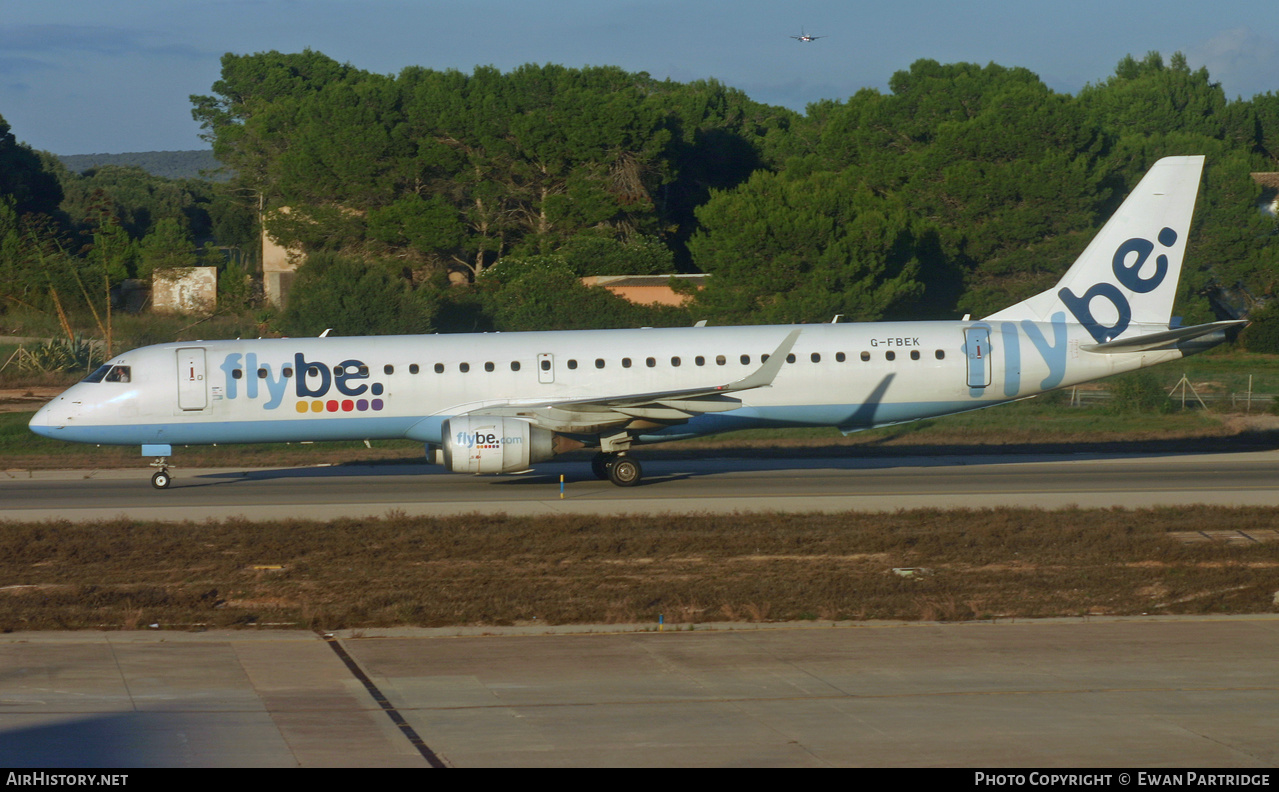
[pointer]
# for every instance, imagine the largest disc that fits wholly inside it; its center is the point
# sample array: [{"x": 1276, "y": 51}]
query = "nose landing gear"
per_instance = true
[{"x": 161, "y": 478}]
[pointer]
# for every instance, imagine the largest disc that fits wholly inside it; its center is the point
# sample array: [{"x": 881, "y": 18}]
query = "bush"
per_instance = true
[
  {"x": 60, "y": 354},
  {"x": 1263, "y": 334},
  {"x": 1138, "y": 392},
  {"x": 543, "y": 293}
]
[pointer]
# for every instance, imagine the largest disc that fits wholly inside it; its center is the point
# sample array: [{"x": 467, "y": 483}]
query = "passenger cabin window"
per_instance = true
[
  {"x": 940, "y": 354},
  {"x": 815, "y": 357},
  {"x": 865, "y": 356},
  {"x": 626, "y": 362},
  {"x": 237, "y": 374},
  {"x": 439, "y": 368},
  {"x": 413, "y": 368},
  {"x": 650, "y": 362},
  {"x": 890, "y": 355},
  {"x": 515, "y": 365},
  {"x": 720, "y": 360},
  {"x": 288, "y": 371},
  {"x": 914, "y": 354},
  {"x": 388, "y": 369},
  {"x": 572, "y": 364},
  {"x": 261, "y": 373},
  {"x": 489, "y": 366},
  {"x": 699, "y": 360},
  {"x": 840, "y": 357},
  {"x": 599, "y": 363},
  {"x": 790, "y": 358},
  {"x": 546, "y": 365},
  {"x": 674, "y": 361},
  {"x": 746, "y": 360}
]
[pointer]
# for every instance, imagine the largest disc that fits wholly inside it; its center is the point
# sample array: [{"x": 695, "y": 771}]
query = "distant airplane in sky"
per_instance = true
[
  {"x": 502, "y": 402},
  {"x": 804, "y": 37}
]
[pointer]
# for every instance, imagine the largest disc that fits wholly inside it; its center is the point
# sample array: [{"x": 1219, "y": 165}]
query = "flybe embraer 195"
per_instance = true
[{"x": 501, "y": 402}]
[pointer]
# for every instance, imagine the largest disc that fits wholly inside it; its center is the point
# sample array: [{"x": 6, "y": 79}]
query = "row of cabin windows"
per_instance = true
[{"x": 720, "y": 360}]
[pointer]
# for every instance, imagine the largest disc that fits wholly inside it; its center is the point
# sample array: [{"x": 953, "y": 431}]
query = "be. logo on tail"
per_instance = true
[{"x": 1128, "y": 273}]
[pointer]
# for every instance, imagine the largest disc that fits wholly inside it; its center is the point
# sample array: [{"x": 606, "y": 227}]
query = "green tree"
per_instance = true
[
  {"x": 591, "y": 253},
  {"x": 803, "y": 250},
  {"x": 1266, "y": 113},
  {"x": 354, "y": 297},
  {"x": 138, "y": 202},
  {"x": 167, "y": 247},
  {"x": 543, "y": 293},
  {"x": 24, "y": 178},
  {"x": 1148, "y": 97},
  {"x": 428, "y": 224},
  {"x": 112, "y": 250}
]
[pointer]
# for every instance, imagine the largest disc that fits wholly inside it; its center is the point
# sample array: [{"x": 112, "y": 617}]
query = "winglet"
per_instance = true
[{"x": 764, "y": 375}]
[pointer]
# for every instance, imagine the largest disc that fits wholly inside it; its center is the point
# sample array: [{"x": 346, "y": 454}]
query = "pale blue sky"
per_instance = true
[{"x": 107, "y": 76}]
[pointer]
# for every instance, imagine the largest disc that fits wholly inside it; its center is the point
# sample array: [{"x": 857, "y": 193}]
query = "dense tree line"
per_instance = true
[
  {"x": 177, "y": 165},
  {"x": 68, "y": 239},
  {"x": 961, "y": 189}
]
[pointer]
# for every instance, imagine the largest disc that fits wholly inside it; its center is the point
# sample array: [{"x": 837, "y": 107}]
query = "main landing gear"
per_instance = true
[{"x": 617, "y": 468}]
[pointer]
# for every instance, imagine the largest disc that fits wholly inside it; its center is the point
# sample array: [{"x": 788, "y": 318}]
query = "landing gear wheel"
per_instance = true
[
  {"x": 600, "y": 463},
  {"x": 161, "y": 479},
  {"x": 625, "y": 472}
]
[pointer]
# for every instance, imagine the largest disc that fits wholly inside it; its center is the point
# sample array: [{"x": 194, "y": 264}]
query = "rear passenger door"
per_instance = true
[{"x": 977, "y": 342}]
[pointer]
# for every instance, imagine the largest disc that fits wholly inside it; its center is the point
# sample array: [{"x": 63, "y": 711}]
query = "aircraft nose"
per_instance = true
[
  {"x": 43, "y": 422},
  {"x": 39, "y": 422}
]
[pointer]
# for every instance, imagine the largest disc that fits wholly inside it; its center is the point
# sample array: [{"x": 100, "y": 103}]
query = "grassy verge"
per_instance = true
[{"x": 495, "y": 570}]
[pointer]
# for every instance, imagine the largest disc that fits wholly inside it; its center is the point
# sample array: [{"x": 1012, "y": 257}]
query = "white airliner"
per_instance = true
[
  {"x": 500, "y": 402},
  {"x": 805, "y": 38}
]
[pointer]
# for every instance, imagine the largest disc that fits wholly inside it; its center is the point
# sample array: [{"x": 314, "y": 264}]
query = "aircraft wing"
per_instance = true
[{"x": 641, "y": 410}]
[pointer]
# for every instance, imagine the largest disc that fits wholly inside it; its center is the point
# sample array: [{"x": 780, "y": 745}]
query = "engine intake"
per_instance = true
[{"x": 476, "y": 444}]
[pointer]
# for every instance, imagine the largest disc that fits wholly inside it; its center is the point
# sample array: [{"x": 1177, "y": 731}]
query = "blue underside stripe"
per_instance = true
[{"x": 428, "y": 430}]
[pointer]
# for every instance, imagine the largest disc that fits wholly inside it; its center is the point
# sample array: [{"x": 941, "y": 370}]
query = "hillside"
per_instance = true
[{"x": 198, "y": 164}]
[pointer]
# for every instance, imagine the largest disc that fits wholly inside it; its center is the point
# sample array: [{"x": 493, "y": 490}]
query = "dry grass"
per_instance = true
[{"x": 495, "y": 570}]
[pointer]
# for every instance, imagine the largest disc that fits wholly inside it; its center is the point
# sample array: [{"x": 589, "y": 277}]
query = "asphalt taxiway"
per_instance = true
[{"x": 670, "y": 486}]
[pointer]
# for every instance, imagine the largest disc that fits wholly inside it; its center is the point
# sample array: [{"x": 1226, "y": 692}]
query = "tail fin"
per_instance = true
[{"x": 1128, "y": 273}]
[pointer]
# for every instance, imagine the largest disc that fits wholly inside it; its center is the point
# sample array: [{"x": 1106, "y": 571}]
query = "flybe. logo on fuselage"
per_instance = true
[
  {"x": 312, "y": 382},
  {"x": 1129, "y": 275}
]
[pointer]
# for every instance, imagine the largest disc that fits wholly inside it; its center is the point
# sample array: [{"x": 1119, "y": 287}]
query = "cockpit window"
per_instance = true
[{"x": 109, "y": 373}]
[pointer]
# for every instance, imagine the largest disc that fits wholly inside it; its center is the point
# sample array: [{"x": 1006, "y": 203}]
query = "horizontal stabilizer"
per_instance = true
[{"x": 1165, "y": 339}]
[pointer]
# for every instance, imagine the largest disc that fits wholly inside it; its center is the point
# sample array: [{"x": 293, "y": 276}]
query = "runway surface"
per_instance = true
[
  {"x": 1117, "y": 693},
  {"x": 669, "y": 486}
]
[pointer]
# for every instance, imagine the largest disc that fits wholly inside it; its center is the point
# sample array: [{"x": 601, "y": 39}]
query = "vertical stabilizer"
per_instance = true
[{"x": 1128, "y": 273}]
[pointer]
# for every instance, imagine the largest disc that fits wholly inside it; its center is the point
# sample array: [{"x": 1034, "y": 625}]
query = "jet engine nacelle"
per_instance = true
[{"x": 476, "y": 444}]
